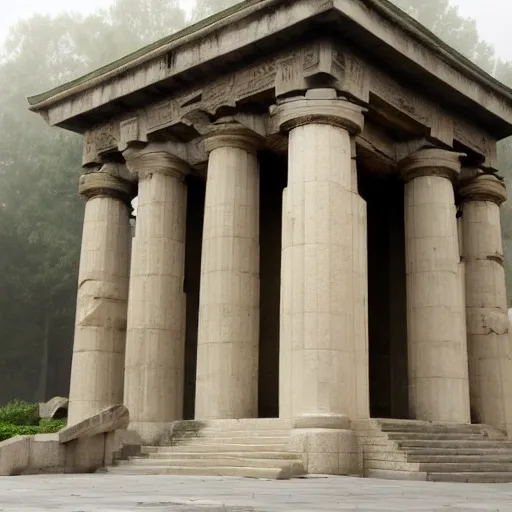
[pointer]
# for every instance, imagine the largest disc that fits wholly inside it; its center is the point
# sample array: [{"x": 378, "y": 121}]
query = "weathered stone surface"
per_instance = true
[
  {"x": 489, "y": 349},
  {"x": 350, "y": 114},
  {"x": 436, "y": 330},
  {"x": 229, "y": 303},
  {"x": 100, "y": 324},
  {"x": 56, "y": 407},
  {"x": 14, "y": 455},
  {"x": 155, "y": 338},
  {"x": 112, "y": 418},
  {"x": 47, "y": 455}
]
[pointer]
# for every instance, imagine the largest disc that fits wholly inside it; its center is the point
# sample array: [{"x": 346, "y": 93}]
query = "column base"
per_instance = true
[
  {"x": 326, "y": 451},
  {"x": 153, "y": 433},
  {"x": 322, "y": 420}
]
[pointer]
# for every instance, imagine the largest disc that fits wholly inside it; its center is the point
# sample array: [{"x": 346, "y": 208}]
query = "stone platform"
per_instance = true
[{"x": 115, "y": 493}]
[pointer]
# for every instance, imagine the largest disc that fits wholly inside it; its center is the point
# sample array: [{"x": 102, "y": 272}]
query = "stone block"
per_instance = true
[
  {"x": 46, "y": 455},
  {"x": 112, "y": 418},
  {"x": 326, "y": 451},
  {"x": 56, "y": 407},
  {"x": 120, "y": 444},
  {"x": 85, "y": 455},
  {"x": 14, "y": 455}
]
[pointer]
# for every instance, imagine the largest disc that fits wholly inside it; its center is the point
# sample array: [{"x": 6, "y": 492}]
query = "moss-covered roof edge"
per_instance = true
[
  {"x": 429, "y": 39},
  {"x": 146, "y": 50},
  {"x": 153, "y": 50}
]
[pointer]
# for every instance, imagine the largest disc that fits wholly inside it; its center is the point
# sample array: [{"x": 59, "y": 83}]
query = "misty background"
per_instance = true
[{"x": 43, "y": 44}]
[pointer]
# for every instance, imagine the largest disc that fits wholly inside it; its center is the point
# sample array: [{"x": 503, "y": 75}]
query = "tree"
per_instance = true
[
  {"x": 40, "y": 211},
  {"x": 444, "y": 19},
  {"x": 205, "y": 8}
]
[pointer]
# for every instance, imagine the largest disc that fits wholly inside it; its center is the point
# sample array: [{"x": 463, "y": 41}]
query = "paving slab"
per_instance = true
[{"x": 116, "y": 493}]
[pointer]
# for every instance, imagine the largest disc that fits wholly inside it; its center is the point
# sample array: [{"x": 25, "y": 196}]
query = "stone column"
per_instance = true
[
  {"x": 98, "y": 352},
  {"x": 228, "y": 338},
  {"x": 489, "y": 351},
  {"x": 323, "y": 315},
  {"x": 155, "y": 340},
  {"x": 438, "y": 366}
]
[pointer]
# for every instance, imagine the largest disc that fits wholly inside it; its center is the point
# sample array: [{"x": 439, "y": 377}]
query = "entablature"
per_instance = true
[{"x": 395, "y": 113}]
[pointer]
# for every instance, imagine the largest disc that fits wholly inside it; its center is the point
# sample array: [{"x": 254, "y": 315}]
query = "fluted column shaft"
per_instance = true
[
  {"x": 98, "y": 351},
  {"x": 323, "y": 347},
  {"x": 489, "y": 351},
  {"x": 155, "y": 342},
  {"x": 438, "y": 367},
  {"x": 228, "y": 337}
]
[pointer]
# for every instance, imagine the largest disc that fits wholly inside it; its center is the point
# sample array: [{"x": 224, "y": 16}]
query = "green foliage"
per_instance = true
[
  {"x": 205, "y": 8},
  {"x": 49, "y": 426},
  {"x": 19, "y": 412},
  {"x": 8, "y": 430},
  {"x": 40, "y": 211},
  {"x": 20, "y": 418}
]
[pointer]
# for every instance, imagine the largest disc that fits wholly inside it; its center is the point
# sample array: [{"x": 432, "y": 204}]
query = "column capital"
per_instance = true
[
  {"x": 318, "y": 106},
  {"x": 431, "y": 162},
  {"x": 482, "y": 187},
  {"x": 111, "y": 179},
  {"x": 231, "y": 134},
  {"x": 154, "y": 159}
]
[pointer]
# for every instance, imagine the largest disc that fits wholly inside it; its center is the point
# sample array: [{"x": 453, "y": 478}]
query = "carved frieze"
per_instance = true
[
  {"x": 318, "y": 64},
  {"x": 477, "y": 140}
]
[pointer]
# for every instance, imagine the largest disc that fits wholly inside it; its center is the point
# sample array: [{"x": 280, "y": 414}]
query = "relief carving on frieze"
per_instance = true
[
  {"x": 99, "y": 140},
  {"x": 316, "y": 64},
  {"x": 106, "y": 137}
]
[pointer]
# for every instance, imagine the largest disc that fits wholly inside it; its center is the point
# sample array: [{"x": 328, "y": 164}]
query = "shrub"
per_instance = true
[
  {"x": 19, "y": 412},
  {"x": 8, "y": 430},
  {"x": 51, "y": 426}
]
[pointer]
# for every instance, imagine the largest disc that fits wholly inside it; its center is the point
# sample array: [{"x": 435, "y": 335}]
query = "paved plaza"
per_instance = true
[{"x": 114, "y": 493}]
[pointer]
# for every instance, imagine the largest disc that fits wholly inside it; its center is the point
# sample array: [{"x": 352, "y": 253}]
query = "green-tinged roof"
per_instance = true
[
  {"x": 38, "y": 98},
  {"x": 384, "y": 7}
]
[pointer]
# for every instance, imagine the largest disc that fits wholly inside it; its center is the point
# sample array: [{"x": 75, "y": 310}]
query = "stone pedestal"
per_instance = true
[
  {"x": 228, "y": 337},
  {"x": 489, "y": 351},
  {"x": 323, "y": 355},
  {"x": 438, "y": 367},
  {"x": 155, "y": 340},
  {"x": 99, "y": 345}
]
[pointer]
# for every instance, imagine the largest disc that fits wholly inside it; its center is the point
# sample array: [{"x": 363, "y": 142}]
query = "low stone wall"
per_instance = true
[{"x": 82, "y": 448}]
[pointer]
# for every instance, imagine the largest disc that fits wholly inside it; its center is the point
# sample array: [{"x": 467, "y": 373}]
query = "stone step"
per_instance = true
[
  {"x": 206, "y": 455},
  {"x": 424, "y": 426},
  {"x": 453, "y": 444},
  {"x": 454, "y": 452},
  {"x": 438, "y": 467},
  {"x": 456, "y": 467},
  {"x": 471, "y": 477},
  {"x": 387, "y": 474},
  {"x": 427, "y": 436},
  {"x": 243, "y": 433},
  {"x": 269, "y": 473},
  {"x": 391, "y": 465},
  {"x": 250, "y": 424},
  {"x": 261, "y": 440},
  {"x": 459, "y": 459},
  {"x": 368, "y": 434},
  {"x": 220, "y": 447},
  {"x": 216, "y": 461}
]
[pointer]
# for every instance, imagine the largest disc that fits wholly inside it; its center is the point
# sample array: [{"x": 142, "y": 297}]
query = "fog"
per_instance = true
[{"x": 492, "y": 16}]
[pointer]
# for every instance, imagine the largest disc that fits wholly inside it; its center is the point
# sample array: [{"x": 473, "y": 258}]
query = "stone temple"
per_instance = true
[{"x": 315, "y": 283}]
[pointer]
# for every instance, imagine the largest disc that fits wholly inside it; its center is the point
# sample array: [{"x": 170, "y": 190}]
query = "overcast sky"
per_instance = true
[{"x": 493, "y": 16}]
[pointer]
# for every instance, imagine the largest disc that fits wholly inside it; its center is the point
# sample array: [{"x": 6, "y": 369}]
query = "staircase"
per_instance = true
[
  {"x": 437, "y": 452},
  {"x": 244, "y": 448}
]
